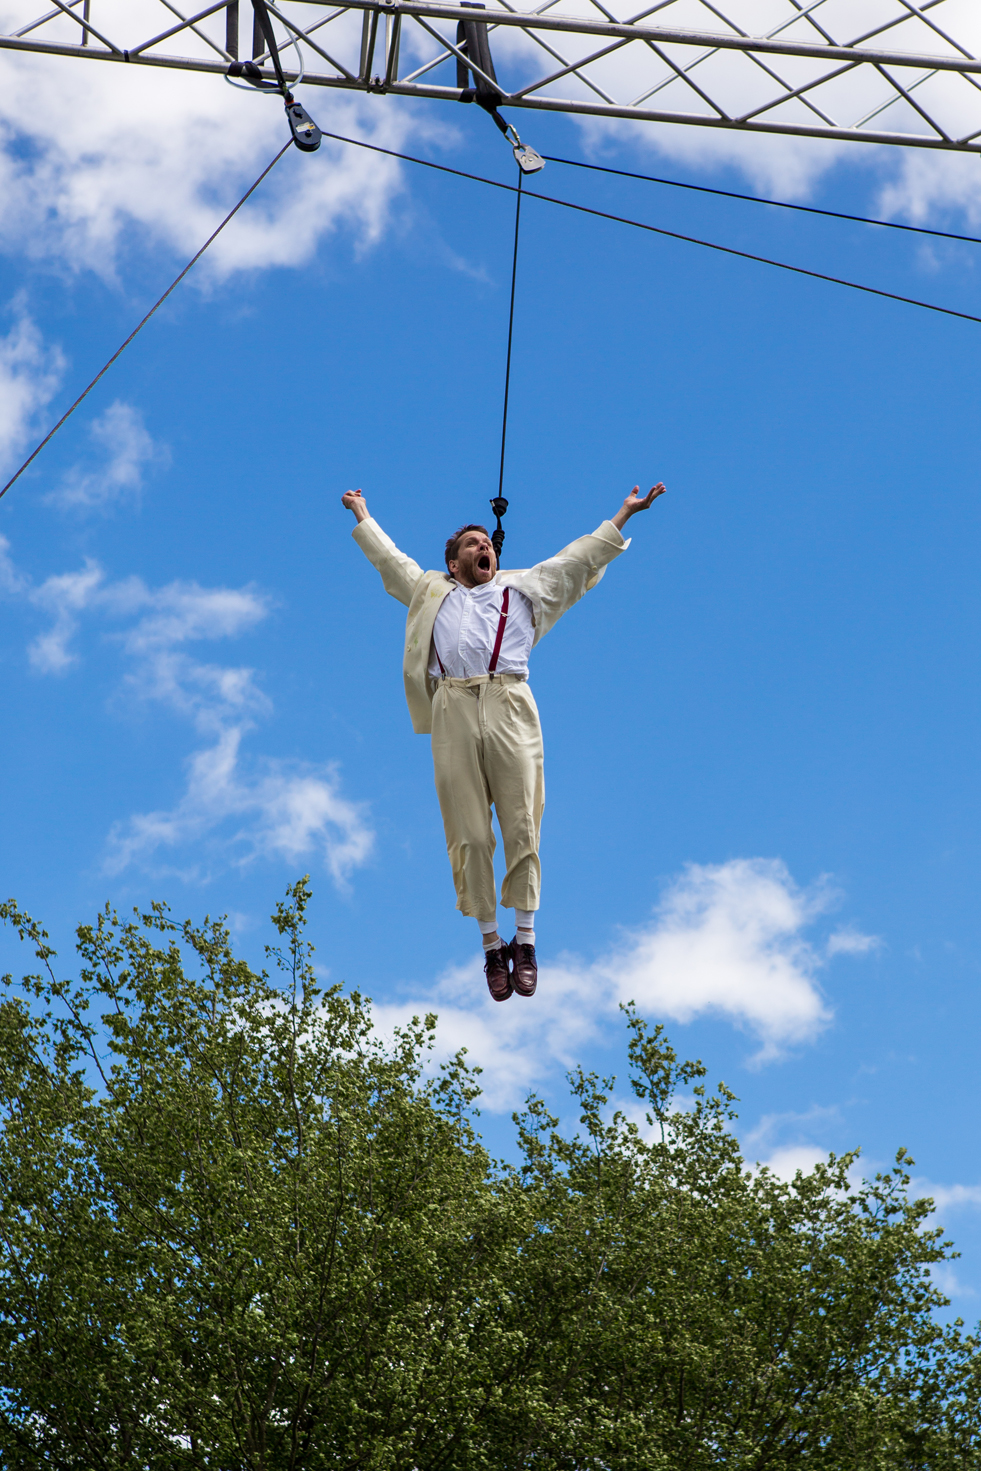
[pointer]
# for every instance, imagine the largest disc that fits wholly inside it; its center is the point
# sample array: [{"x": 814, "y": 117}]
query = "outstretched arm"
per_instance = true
[
  {"x": 554, "y": 585},
  {"x": 400, "y": 575},
  {"x": 635, "y": 502}
]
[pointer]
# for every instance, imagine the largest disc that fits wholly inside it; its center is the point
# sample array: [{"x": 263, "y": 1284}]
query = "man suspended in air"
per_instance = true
[{"x": 469, "y": 633}]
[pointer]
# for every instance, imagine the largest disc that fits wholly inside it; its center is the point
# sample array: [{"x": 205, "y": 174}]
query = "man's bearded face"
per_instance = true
[{"x": 475, "y": 562}]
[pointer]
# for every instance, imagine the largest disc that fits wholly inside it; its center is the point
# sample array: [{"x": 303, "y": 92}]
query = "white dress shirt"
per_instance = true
[{"x": 466, "y": 629}]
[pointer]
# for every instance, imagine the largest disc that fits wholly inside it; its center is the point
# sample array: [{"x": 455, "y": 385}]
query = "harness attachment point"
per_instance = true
[
  {"x": 251, "y": 73},
  {"x": 499, "y": 506},
  {"x": 473, "y": 57}
]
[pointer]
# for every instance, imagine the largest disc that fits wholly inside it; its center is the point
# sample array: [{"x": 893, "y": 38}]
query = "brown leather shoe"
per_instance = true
[
  {"x": 497, "y": 969},
  {"x": 524, "y": 968}
]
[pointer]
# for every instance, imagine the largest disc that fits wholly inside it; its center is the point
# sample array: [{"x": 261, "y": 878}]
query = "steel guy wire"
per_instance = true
[
  {"x": 603, "y": 214},
  {"x": 810, "y": 209}
]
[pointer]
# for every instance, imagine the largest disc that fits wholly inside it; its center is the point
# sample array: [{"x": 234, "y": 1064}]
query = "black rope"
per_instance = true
[
  {"x": 194, "y": 259},
  {"x": 809, "y": 209},
  {"x": 501, "y": 502},
  {"x": 603, "y": 214}
]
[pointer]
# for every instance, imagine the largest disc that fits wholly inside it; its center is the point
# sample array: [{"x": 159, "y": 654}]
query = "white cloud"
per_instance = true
[
  {"x": 232, "y": 808},
  {"x": 30, "y": 373},
  {"x": 728, "y": 942},
  {"x": 725, "y": 941},
  {"x": 121, "y": 433},
  {"x": 948, "y": 1197},
  {"x": 926, "y": 186},
  {"x": 90, "y": 151},
  {"x": 787, "y": 1160}
]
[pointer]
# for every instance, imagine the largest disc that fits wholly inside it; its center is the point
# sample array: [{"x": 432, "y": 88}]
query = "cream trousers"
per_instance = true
[{"x": 487, "y": 748}]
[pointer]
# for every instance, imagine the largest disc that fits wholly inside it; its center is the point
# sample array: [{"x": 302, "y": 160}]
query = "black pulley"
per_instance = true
[{"x": 306, "y": 134}]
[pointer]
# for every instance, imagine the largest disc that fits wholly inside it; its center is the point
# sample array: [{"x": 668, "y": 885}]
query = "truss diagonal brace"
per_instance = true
[{"x": 903, "y": 70}]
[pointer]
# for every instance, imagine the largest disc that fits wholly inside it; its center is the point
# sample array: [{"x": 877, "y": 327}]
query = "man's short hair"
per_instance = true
[{"x": 453, "y": 545}]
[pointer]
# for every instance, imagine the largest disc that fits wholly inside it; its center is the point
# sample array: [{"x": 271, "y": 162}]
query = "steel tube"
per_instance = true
[{"x": 537, "y": 22}]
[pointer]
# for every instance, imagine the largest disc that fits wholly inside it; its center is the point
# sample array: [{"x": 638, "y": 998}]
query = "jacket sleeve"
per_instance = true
[
  {"x": 399, "y": 574},
  {"x": 554, "y": 585}
]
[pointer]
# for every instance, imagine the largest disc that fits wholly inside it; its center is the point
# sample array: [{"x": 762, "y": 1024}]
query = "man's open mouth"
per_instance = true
[{"x": 484, "y": 563}]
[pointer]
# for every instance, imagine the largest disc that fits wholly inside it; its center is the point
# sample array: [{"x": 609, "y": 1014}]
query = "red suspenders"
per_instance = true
[{"x": 492, "y": 666}]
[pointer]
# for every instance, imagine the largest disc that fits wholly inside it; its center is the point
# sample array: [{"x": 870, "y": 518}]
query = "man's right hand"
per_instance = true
[{"x": 355, "y": 502}]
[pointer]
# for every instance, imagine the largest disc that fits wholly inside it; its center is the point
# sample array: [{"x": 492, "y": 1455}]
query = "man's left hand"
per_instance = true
[{"x": 636, "y": 502}]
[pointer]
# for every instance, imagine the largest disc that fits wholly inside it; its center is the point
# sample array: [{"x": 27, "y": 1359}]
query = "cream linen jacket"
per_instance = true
[{"x": 552, "y": 587}]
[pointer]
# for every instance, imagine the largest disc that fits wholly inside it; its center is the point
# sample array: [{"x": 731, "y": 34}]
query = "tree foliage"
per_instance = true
[{"x": 239, "y": 1232}]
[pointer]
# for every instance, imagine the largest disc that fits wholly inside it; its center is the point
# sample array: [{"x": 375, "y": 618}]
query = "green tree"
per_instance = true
[{"x": 239, "y": 1232}]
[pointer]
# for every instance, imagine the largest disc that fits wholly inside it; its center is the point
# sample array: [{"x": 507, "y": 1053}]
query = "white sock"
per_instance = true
[
  {"x": 488, "y": 934},
  {"x": 524, "y": 920}
]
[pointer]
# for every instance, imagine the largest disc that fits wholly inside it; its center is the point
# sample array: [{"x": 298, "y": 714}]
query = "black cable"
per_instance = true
[
  {"x": 810, "y": 209},
  {"x": 213, "y": 236},
  {"x": 507, "y": 371},
  {"x": 658, "y": 230}
]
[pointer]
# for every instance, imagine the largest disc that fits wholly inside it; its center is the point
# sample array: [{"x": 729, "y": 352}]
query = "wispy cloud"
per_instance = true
[
  {"x": 727, "y": 940},
  {"x": 269, "y": 809},
  {"x": 233, "y": 808},
  {"x": 127, "y": 449},
  {"x": 64, "y": 597},
  {"x": 949, "y": 1197},
  {"x": 772, "y": 1126},
  {"x": 13, "y": 582},
  {"x": 852, "y": 942},
  {"x": 30, "y": 372}
]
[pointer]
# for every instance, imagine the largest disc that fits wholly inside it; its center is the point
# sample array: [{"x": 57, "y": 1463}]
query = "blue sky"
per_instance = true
[{"x": 762, "y": 814}]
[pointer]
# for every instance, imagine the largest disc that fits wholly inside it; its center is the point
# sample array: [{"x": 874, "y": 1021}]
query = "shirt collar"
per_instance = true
[{"x": 480, "y": 586}]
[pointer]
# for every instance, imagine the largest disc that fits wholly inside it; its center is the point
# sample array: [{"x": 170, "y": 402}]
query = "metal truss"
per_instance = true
[{"x": 876, "y": 71}]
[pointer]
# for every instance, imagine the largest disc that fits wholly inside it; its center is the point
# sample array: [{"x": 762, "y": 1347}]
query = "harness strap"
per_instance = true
[
  {"x": 492, "y": 666},
  {"x": 265, "y": 26}
]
